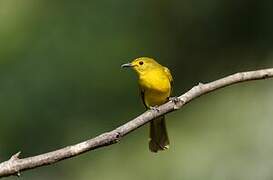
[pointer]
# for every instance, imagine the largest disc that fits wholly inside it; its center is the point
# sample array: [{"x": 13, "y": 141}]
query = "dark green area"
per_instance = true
[{"x": 61, "y": 83}]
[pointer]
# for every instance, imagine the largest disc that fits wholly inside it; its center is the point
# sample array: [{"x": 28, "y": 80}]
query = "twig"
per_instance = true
[{"x": 15, "y": 165}]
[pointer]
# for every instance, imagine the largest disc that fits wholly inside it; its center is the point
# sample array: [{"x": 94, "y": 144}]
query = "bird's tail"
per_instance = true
[{"x": 158, "y": 135}]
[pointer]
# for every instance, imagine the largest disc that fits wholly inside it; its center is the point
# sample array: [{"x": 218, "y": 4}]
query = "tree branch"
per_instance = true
[{"x": 15, "y": 165}]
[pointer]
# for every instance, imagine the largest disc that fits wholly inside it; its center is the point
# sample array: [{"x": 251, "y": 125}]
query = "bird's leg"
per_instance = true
[{"x": 154, "y": 108}]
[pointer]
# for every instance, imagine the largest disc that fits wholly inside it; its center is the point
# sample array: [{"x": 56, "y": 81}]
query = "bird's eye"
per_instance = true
[{"x": 141, "y": 63}]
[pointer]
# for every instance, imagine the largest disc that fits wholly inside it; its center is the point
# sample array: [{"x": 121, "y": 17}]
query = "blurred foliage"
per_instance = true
[{"x": 61, "y": 83}]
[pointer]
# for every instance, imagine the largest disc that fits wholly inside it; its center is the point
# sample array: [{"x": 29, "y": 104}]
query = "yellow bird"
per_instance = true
[{"x": 155, "y": 82}]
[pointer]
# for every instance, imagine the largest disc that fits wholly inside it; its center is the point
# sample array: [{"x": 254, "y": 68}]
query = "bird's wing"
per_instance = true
[
  {"x": 168, "y": 72},
  {"x": 169, "y": 75},
  {"x": 142, "y": 94}
]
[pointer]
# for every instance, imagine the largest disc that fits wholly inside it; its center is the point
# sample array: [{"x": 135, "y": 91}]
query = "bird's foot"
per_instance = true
[
  {"x": 154, "y": 108},
  {"x": 177, "y": 102},
  {"x": 174, "y": 99}
]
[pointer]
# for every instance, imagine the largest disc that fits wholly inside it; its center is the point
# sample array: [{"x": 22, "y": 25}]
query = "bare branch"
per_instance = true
[{"x": 15, "y": 165}]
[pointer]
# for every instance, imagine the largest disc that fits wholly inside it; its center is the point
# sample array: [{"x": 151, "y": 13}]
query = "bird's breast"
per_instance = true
[{"x": 156, "y": 88}]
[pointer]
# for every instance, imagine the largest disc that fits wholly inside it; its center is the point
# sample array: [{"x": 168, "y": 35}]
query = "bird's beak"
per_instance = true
[{"x": 126, "y": 65}]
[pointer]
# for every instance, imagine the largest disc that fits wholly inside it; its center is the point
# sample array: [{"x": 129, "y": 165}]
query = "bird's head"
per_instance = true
[{"x": 142, "y": 64}]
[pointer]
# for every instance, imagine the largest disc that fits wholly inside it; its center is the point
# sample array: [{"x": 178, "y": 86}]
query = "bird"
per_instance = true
[{"x": 155, "y": 83}]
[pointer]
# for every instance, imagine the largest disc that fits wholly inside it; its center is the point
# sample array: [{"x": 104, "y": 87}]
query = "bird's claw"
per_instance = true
[
  {"x": 154, "y": 108},
  {"x": 174, "y": 99},
  {"x": 177, "y": 101}
]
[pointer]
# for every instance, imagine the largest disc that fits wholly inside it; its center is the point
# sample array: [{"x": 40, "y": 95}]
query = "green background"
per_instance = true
[{"x": 61, "y": 83}]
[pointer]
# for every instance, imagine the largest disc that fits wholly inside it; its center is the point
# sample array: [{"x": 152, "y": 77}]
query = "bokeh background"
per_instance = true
[{"x": 61, "y": 83}]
